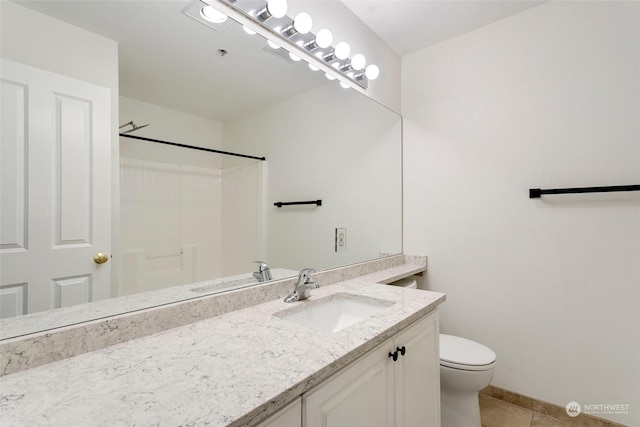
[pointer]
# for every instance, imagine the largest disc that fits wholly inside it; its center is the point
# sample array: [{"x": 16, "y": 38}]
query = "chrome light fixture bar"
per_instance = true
[{"x": 295, "y": 35}]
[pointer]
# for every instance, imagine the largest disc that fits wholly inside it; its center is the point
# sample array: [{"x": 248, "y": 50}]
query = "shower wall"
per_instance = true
[
  {"x": 170, "y": 200},
  {"x": 243, "y": 233},
  {"x": 170, "y": 224}
]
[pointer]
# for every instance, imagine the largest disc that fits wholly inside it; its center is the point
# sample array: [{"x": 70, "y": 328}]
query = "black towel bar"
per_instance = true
[
  {"x": 310, "y": 202},
  {"x": 535, "y": 193}
]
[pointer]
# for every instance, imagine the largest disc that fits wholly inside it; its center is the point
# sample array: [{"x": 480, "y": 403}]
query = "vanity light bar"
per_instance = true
[{"x": 295, "y": 36}]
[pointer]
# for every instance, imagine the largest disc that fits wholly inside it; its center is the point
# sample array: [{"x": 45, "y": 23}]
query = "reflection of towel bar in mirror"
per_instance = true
[
  {"x": 310, "y": 202},
  {"x": 535, "y": 193}
]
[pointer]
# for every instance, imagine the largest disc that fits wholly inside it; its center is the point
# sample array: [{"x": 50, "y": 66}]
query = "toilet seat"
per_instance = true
[
  {"x": 464, "y": 354},
  {"x": 467, "y": 367}
]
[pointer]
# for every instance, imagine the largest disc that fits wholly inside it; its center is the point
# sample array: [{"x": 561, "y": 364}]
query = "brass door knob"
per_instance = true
[{"x": 100, "y": 258}]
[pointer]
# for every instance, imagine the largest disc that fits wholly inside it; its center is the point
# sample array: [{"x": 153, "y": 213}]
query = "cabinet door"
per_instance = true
[
  {"x": 417, "y": 375},
  {"x": 289, "y": 416},
  {"x": 359, "y": 395}
]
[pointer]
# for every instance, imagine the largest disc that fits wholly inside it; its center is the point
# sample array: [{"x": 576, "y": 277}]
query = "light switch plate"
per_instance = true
[{"x": 341, "y": 239}]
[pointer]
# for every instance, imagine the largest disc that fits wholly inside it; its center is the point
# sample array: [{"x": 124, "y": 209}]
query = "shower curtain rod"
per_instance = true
[{"x": 175, "y": 144}]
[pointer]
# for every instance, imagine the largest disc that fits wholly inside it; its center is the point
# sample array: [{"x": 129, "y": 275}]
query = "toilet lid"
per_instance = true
[
  {"x": 407, "y": 282},
  {"x": 464, "y": 352}
]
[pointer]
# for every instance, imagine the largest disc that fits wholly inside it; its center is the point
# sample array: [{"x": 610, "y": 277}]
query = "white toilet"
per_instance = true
[
  {"x": 407, "y": 282},
  {"x": 466, "y": 367}
]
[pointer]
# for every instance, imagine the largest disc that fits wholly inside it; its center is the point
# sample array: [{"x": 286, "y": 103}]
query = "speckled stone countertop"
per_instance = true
[
  {"x": 232, "y": 370},
  {"x": 28, "y": 324}
]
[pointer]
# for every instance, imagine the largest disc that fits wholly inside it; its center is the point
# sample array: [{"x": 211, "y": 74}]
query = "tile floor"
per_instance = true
[{"x": 501, "y": 408}]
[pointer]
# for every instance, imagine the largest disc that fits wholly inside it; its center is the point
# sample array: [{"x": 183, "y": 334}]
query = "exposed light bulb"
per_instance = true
[
  {"x": 313, "y": 67},
  {"x": 213, "y": 15},
  {"x": 277, "y": 8},
  {"x": 248, "y": 30},
  {"x": 344, "y": 85},
  {"x": 324, "y": 38},
  {"x": 342, "y": 50},
  {"x": 294, "y": 57},
  {"x": 358, "y": 61},
  {"x": 372, "y": 72},
  {"x": 302, "y": 23},
  {"x": 272, "y": 45},
  {"x": 273, "y": 8},
  {"x": 329, "y": 76}
]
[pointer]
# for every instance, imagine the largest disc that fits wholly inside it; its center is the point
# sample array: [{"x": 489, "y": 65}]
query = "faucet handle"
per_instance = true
[
  {"x": 262, "y": 266},
  {"x": 305, "y": 274}
]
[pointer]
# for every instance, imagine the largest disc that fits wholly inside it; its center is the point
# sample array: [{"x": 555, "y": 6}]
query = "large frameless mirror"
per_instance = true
[{"x": 193, "y": 222}]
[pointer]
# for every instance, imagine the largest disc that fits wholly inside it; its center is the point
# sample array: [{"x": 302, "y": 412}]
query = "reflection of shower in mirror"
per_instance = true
[{"x": 133, "y": 127}]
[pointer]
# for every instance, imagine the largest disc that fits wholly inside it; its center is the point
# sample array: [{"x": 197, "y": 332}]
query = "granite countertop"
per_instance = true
[
  {"x": 35, "y": 322},
  {"x": 232, "y": 370}
]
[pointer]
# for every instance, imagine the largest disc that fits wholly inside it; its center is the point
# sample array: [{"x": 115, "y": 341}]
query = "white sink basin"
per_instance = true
[{"x": 334, "y": 313}]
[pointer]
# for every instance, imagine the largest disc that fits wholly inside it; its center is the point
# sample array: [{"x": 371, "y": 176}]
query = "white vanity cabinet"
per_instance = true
[
  {"x": 289, "y": 416},
  {"x": 417, "y": 375},
  {"x": 359, "y": 395},
  {"x": 376, "y": 391}
]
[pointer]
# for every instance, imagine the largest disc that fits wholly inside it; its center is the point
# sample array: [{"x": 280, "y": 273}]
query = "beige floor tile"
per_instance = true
[
  {"x": 547, "y": 410},
  {"x": 508, "y": 396},
  {"x": 541, "y": 420},
  {"x": 496, "y": 413},
  {"x": 499, "y": 408},
  {"x": 550, "y": 410}
]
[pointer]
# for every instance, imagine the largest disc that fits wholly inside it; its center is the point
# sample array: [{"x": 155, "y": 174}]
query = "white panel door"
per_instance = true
[{"x": 55, "y": 190}]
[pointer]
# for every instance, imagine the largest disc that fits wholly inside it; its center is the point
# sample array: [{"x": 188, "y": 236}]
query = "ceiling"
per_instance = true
[
  {"x": 189, "y": 74},
  {"x": 168, "y": 59},
  {"x": 410, "y": 25}
]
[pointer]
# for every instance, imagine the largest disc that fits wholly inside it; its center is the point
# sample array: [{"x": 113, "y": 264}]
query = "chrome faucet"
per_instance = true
[
  {"x": 303, "y": 286},
  {"x": 264, "y": 272}
]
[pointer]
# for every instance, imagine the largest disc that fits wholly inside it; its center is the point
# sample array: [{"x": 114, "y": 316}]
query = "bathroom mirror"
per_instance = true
[{"x": 321, "y": 142}]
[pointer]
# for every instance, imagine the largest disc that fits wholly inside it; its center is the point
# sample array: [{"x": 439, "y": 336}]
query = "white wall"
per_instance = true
[
  {"x": 170, "y": 125},
  {"x": 35, "y": 39},
  {"x": 171, "y": 199},
  {"x": 547, "y": 98},
  {"x": 350, "y": 159},
  {"x": 41, "y": 41}
]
